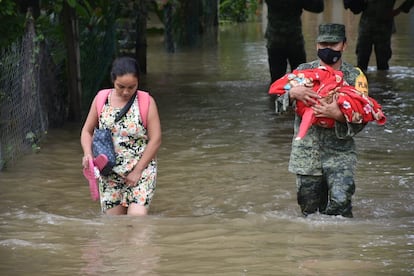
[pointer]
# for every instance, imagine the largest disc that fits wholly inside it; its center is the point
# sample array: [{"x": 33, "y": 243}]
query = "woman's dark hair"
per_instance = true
[{"x": 124, "y": 65}]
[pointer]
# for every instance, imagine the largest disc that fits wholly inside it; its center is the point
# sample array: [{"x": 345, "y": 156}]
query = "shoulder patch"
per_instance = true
[{"x": 361, "y": 82}]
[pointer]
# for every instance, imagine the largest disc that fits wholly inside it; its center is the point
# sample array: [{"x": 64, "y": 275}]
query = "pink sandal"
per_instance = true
[
  {"x": 100, "y": 161},
  {"x": 90, "y": 175}
]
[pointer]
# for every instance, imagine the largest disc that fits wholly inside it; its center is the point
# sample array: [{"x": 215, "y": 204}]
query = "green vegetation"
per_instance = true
[
  {"x": 238, "y": 10},
  {"x": 12, "y": 22}
]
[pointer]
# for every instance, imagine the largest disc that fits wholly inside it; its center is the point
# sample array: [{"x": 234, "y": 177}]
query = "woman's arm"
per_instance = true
[
  {"x": 87, "y": 133},
  {"x": 154, "y": 143}
]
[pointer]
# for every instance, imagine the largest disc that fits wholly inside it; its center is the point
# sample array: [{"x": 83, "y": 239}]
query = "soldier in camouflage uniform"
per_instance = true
[
  {"x": 284, "y": 33},
  {"x": 324, "y": 160},
  {"x": 375, "y": 29}
]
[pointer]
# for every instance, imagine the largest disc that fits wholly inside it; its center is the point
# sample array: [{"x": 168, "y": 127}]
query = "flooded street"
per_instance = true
[{"x": 225, "y": 203}]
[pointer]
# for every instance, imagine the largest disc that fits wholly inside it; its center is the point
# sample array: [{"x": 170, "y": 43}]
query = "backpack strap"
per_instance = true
[
  {"x": 143, "y": 102},
  {"x": 101, "y": 99}
]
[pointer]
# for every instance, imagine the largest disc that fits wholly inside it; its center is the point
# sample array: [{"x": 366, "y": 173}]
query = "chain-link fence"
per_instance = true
[
  {"x": 33, "y": 90},
  {"x": 23, "y": 119}
]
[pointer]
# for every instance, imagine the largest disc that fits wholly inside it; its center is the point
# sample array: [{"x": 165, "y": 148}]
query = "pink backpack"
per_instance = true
[{"x": 143, "y": 102}]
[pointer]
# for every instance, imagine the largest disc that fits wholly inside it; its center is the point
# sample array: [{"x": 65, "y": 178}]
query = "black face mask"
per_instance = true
[{"x": 329, "y": 56}]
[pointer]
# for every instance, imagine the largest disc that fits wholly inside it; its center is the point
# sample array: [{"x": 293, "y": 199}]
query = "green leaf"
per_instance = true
[{"x": 71, "y": 3}]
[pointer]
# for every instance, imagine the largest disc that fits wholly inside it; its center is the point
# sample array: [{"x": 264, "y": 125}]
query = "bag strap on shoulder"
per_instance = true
[
  {"x": 125, "y": 109},
  {"x": 101, "y": 99},
  {"x": 143, "y": 102}
]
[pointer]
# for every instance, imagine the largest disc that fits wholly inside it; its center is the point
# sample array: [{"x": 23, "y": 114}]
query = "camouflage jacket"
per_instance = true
[
  {"x": 357, "y": 6},
  {"x": 323, "y": 147},
  {"x": 378, "y": 13},
  {"x": 284, "y": 24}
]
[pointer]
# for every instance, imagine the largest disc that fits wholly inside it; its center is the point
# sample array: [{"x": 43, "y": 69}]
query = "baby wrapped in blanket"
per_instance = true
[{"x": 329, "y": 84}]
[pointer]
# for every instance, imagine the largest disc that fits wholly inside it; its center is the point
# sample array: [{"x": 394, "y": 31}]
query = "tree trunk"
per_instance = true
[
  {"x": 191, "y": 24},
  {"x": 71, "y": 30},
  {"x": 168, "y": 25},
  {"x": 141, "y": 35}
]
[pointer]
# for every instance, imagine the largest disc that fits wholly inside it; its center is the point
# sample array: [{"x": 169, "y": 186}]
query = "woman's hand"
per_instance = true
[
  {"x": 132, "y": 179},
  {"x": 85, "y": 160}
]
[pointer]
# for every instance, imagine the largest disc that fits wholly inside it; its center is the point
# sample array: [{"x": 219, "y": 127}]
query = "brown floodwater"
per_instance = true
[{"x": 225, "y": 203}]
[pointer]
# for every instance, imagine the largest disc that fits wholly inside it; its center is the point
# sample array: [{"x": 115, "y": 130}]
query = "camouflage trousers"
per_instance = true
[
  {"x": 280, "y": 55},
  {"x": 380, "y": 41},
  {"x": 329, "y": 194}
]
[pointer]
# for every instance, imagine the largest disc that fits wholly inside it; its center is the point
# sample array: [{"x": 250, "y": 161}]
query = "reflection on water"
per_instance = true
[
  {"x": 225, "y": 203},
  {"x": 127, "y": 251}
]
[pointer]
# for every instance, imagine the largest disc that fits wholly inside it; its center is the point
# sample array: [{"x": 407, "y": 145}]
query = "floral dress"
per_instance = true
[{"x": 130, "y": 140}]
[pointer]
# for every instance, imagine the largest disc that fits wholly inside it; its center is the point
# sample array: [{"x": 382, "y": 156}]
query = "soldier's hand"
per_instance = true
[
  {"x": 304, "y": 94},
  {"x": 395, "y": 12},
  {"x": 328, "y": 110}
]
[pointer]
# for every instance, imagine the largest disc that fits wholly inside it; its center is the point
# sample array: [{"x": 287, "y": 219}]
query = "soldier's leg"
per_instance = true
[
  {"x": 364, "y": 49},
  {"x": 309, "y": 193},
  {"x": 277, "y": 62},
  {"x": 341, "y": 187},
  {"x": 296, "y": 54},
  {"x": 383, "y": 51},
  {"x": 323, "y": 203}
]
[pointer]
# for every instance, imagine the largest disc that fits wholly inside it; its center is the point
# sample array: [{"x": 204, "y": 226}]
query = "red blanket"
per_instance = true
[{"x": 328, "y": 83}]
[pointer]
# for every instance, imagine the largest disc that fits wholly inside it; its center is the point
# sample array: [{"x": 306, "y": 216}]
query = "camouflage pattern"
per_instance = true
[
  {"x": 375, "y": 29},
  {"x": 350, "y": 75},
  {"x": 325, "y": 159},
  {"x": 331, "y": 33},
  {"x": 284, "y": 20},
  {"x": 314, "y": 191},
  {"x": 283, "y": 34}
]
